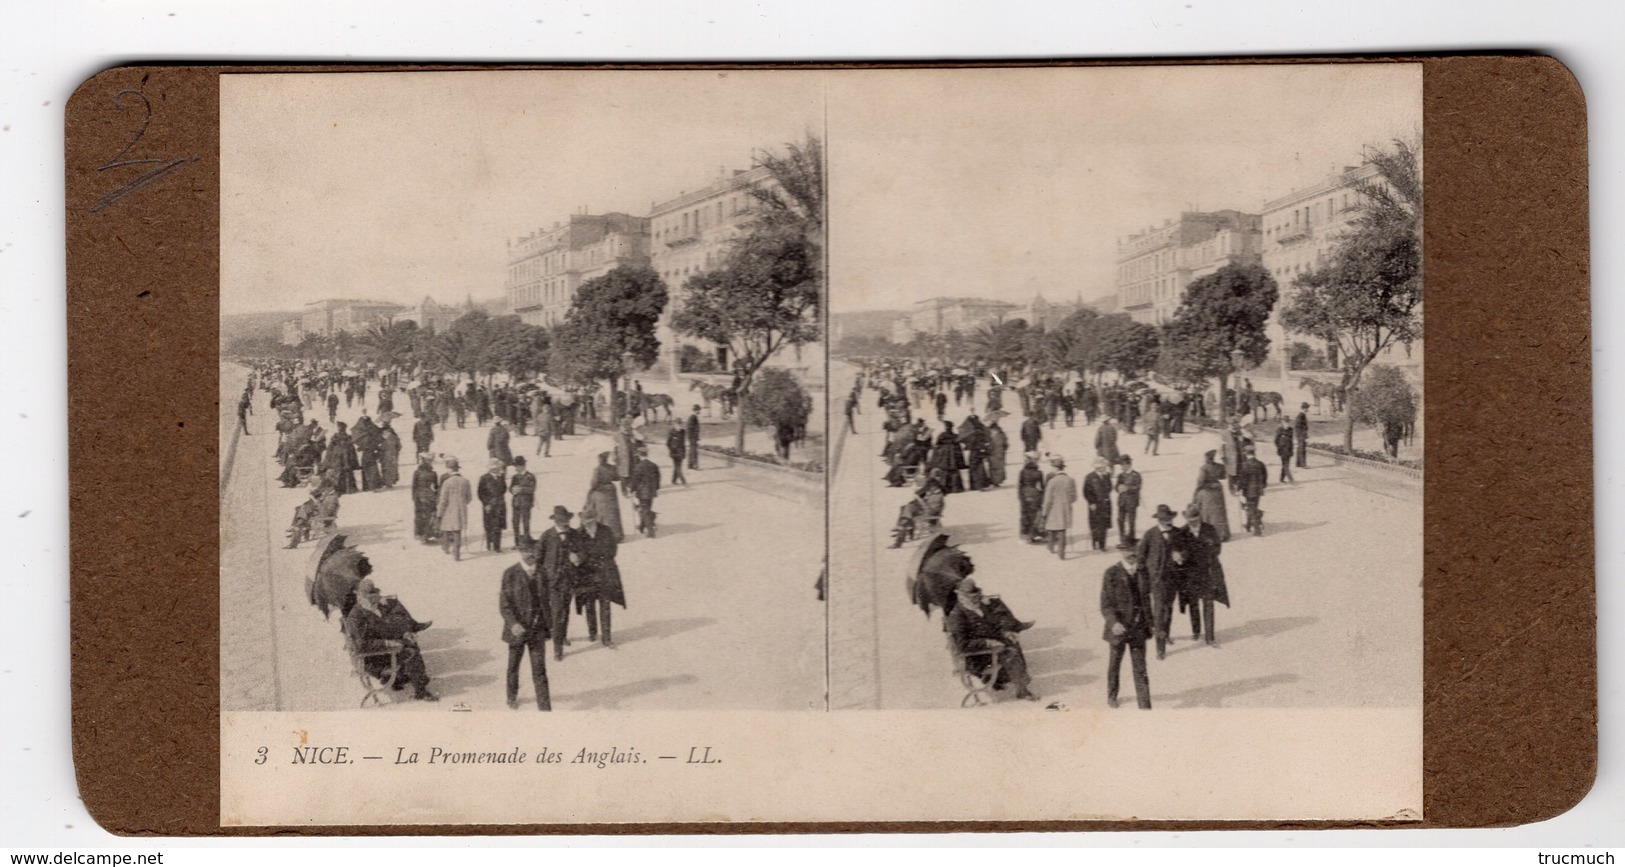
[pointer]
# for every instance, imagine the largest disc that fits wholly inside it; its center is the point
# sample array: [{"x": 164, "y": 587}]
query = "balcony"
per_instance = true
[
  {"x": 1293, "y": 234},
  {"x": 683, "y": 238}
]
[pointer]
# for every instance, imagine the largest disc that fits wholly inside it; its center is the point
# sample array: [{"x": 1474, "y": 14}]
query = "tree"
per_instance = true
[
  {"x": 390, "y": 345},
  {"x": 611, "y": 322},
  {"x": 777, "y": 399},
  {"x": 515, "y": 348},
  {"x": 795, "y": 200},
  {"x": 765, "y": 296},
  {"x": 1119, "y": 344},
  {"x": 1369, "y": 293},
  {"x": 1385, "y": 400},
  {"x": 1222, "y": 313},
  {"x": 459, "y": 349}
]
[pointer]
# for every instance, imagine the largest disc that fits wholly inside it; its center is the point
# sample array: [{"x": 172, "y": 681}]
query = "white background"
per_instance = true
[{"x": 48, "y": 48}]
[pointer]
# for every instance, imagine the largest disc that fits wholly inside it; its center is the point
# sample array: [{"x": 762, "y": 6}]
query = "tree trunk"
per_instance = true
[
  {"x": 739, "y": 410},
  {"x": 1224, "y": 400},
  {"x": 614, "y": 409}
]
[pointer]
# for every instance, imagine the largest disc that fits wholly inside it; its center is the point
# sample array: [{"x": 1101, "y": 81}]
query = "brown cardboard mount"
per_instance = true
[{"x": 1510, "y": 692}]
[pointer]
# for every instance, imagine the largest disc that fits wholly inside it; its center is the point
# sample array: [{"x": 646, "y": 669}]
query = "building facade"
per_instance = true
[
  {"x": 1154, "y": 266},
  {"x": 431, "y": 314},
  {"x": 1302, "y": 230},
  {"x": 547, "y": 266},
  {"x": 942, "y": 315},
  {"x": 690, "y": 233},
  {"x": 328, "y": 317}
]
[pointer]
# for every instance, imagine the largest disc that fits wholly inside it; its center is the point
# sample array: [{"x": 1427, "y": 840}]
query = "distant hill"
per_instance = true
[{"x": 248, "y": 326}]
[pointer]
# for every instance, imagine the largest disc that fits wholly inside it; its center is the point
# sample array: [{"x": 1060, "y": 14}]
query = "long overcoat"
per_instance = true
[
  {"x": 1204, "y": 574},
  {"x": 1060, "y": 492},
  {"x": 1125, "y": 599},
  {"x": 599, "y": 569},
  {"x": 523, "y": 602},
  {"x": 455, "y": 495}
]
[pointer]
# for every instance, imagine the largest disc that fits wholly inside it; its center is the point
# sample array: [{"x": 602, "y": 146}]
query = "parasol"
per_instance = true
[
  {"x": 916, "y": 562},
  {"x": 332, "y": 574}
]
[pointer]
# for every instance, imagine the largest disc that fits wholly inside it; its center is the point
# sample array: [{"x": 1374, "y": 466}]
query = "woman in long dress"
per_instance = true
[
  {"x": 389, "y": 456},
  {"x": 601, "y": 494},
  {"x": 1209, "y": 497},
  {"x": 949, "y": 460}
]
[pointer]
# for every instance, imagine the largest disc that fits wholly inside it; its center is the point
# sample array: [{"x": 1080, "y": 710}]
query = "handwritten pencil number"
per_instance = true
[
  {"x": 160, "y": 167},
  {"x": 146, "y": 119}
]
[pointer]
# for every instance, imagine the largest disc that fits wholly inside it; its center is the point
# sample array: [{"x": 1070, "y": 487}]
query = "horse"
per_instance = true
[
  {"x": 1324, "y": 389},
  {"x": 709, "y": 392},
  {"x": 652, "y": 402}
]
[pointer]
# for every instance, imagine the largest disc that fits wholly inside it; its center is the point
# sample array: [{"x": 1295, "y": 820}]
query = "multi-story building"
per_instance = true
[
  {"x": 330, "y": 316},
  {"x": 942, "y": 315},
  {"x": 1155, "y": 266},
  {"x": 1302, "y": 229},
  {"x": 431, "y": 314},
  {"x": 1041, "y": 313},
  {"x": 690, "y": 234},
  {"x": 547, "y": 266}
]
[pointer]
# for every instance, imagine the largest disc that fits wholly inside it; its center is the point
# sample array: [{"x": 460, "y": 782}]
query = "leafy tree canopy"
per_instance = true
[
  {"x": 1222, "y": 312},
  {"x": 611, "y": 316}
]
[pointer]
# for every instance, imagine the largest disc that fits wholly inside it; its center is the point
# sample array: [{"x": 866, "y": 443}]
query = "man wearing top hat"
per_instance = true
[
  {"x": 1126, "y": 608},
  {"x": 526, "y": 621}
]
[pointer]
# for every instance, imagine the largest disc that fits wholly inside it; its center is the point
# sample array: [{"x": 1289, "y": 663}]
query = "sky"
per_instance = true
[
  {"x": 393, "y": 186},
  {"x": 1004, "y": 183},
  {"x": 997, "y": 183}
]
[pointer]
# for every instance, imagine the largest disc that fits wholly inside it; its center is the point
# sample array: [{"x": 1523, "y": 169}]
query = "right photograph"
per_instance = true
[{"x": 1126, "y": 389}]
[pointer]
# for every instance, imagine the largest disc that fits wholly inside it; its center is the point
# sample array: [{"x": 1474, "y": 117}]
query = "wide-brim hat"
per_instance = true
[
  {"x": 1193, "y": 511},
  {"x": 453, "y": 464},
  {"x": 497, "y": 464},
  {"x": 1057, "y": 461},
  {"x": 562, "y": 514},
  {"x": 519, "y": 461},
  {"x": 1164, "y": 513},
  {"x": 967, "y": 586}
]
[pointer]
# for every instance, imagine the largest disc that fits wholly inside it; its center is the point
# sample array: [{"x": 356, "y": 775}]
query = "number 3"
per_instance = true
[{"x": 260, "y": 760}]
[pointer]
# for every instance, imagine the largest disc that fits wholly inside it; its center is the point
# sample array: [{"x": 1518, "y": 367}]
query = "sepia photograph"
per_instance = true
[
  {"x": 1130, "y": 371},
  {"x": 521, "y": 365}
]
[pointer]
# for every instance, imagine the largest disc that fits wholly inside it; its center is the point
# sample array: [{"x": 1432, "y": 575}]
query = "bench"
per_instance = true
[{"x": 375, "y": 686}]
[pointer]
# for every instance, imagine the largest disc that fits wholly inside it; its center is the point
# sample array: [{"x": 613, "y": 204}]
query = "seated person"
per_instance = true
[
  {"x": 921, "y": 513},
  {"x": 979, "y": 623},
  {"x": 374, "y": 620},
  {"x": 318, "y": 514}
]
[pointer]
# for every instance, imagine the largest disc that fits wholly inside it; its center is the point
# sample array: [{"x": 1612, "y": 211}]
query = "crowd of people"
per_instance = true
[
  {"x": 569, "y": 564},
  {"x": 1176, "y": 561}
]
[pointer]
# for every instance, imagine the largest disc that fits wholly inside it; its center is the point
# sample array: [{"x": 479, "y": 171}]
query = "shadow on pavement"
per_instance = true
[
  {"x": 975, "y": 534},
  {"x": 1272, "y": 528},
  {"x": 374, "y": 534},
  {"x": 661, "y": 629},
  {"x": 609, "y": 697},
  {"x": 662, "y": 530},
  {"x": 1215, "y": 695}
]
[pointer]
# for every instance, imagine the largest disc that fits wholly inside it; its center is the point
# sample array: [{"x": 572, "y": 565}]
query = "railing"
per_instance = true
[{"x": 1296, "y": 233}]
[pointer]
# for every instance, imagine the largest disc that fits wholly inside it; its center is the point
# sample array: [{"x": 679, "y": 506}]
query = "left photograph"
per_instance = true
[{"x": 522, "y": 391}]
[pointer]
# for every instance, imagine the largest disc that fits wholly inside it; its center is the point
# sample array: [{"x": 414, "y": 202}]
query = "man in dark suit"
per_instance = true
[
  {"x": 1284, "y": 448},
  {"x": 598, "y": 580},
  {"x": 1252, "y": 478},
  {"x": 559, "y": 554},
  {"x": 644, "y": 485},
  {"x": 1301, "y": 426},
  {"x": 525, "y": 623},
  {"x": 692, "y": 428},
  {"x": 1031, "y": 433},
  {"x": 1128, "y": 500},
  {"x": 1127, "y": 611},
  {"x": 980, "y": 624},
  {"x": 1161, "y": 555},
  {"x": 523, "y": 488},
  {"x": 1203, "y": 575},
  {"x": 493, "y": 487},
  {"x": 1097, "y": 493},
  {"x": 677, "y": 448}
]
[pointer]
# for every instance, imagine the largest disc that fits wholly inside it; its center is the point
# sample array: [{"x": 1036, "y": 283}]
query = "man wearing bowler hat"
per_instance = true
[
  {"x": 523, "y": 488},
  {"x": 1161, "y": 556},
  {"x": 1126, "y": 608},
  {"x": 559, "y": 555},
  {"x": 1204, "y": 581},
  {"x": 525, "y": 623}
]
